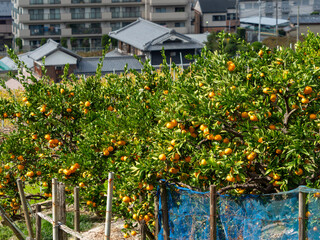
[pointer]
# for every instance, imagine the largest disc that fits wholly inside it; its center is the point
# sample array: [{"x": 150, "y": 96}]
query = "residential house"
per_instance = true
[
  {"x": 306, "y": 23},
  {"x": 54, "y": 58},
  {"x": 215, "y": 15},
  {"x": 83, "y": 22},
  {"x": 146, "y": 38}
]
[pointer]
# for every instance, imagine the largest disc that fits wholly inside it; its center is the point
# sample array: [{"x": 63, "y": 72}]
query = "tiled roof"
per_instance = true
[
  {"x": 7, "y": 64},
  {"x": 306, "y": 19},
  {"x": 264, "y": 21},
  {"x": 216, "y": 6},
  {"x": 48, "y": 48},
  {"x": 110, "y": 64},
  {"x": 146, "y": 36},
  {"x": 201, "y": 37}
]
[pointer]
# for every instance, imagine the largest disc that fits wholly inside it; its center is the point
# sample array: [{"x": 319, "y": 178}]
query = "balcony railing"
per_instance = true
[
  {"x": 86, "y": 30},
  {"x": 39, "y": 2},
  {"x": 51, "y": 16},
  {"x": 85, "y": 1},
  {"x": 124, "y": 1},
  {"x": 95, "y": 15},
  {"x": 42, "y": 32},
  {"x": 126, "y": 14}
]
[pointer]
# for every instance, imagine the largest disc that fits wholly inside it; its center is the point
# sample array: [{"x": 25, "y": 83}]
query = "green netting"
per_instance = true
[{"x": 248, "y": 217}]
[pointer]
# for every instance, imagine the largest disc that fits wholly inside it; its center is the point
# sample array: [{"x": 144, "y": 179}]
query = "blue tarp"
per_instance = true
[{"x": 248, "y": 217}]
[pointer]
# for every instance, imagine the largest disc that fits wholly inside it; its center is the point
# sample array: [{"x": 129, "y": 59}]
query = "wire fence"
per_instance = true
[{"x": 249, "y": 217}]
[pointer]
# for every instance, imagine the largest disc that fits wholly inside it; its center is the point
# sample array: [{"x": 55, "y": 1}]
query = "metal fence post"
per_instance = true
[{"x": 302, "y": 216}]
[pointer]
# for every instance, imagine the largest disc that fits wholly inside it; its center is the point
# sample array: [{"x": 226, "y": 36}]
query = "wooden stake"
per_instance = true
[
  {"x": 302, "y": 215},
  {"x": 76, "y": 210},
  {"x": 55, "y": 226},
  {"x": 156, "y": 216},
  {"x": 62, "y": 208},
  {"x": 213, "y": 212},
  {"x": 38, "y": 222},
  {"x": 25, "y": 208},
  {"x": 143, "y": 230},
  {"x": 165, "y": 214},
  {"x": 8, "y": 223},
  {"x": 109, "y": 207}
]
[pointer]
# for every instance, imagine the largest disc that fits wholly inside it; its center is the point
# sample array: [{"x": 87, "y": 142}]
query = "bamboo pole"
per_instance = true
[
  {"x": 302, "y": 214},
  {"x": 55, "y": 226},
  {"x": 109, "y": 207},
  {"x": 165, "y": 214},
  {"x": 25, "y": 209},
  {"x": 76, "y": 210},
  {"x": 156, "y": 215},
  {"x": 62, "y": 209},
  {"x": 213, "y": 212},
  {"x": 38, "y": 222}
]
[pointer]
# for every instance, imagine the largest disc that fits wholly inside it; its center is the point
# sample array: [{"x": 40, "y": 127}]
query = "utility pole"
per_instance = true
[
  {"x": 276, "y": 18},
  {"x": 259, "y": 29},
  {"x": 237, "y": 14},
  {"x": 298, "y": 23}
]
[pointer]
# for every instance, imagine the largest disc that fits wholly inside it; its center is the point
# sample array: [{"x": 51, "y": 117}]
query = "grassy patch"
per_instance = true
[{"x": 86, "y": 223}]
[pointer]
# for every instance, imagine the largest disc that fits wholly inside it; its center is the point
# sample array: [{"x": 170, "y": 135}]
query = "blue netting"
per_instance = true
[{"x": 248, "y": 217}]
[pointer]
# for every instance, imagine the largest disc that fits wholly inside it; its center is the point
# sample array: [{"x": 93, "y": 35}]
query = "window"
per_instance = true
[
  {"x": 55, "y": 1},
  {"x": 231, "y": 16},
  {"x": 162, "y": 23},
  {"x": 115, "y": 12},
  {"x": 33, "y": 2},
  {"x": 125, "y": 24},
  {"x": 36, "y": 30},
  {"x": 36, "y": 14},
  {"x": 115, "y": 26},
  {"x": 77, "y": 13},
  {"x": 305, "y": 2},
  {"x": 218, "y": 18},
  {"x": 179, "y": 9},
  {"x": 161, "y": 10},
  {"x": 179, "y": 24},
  {"x": 131, "y": 12},
  {"x": 54, "y": 29},
  {"x": 54, "y": 14},
  {"x": 95, "y": 13}
]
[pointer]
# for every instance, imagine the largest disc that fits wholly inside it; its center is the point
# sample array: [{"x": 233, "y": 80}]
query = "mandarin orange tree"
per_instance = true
[{"x": 248, "y": 124}]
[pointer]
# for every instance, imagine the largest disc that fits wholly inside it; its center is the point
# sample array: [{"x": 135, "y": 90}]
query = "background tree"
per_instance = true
[
  {"x": 19, "y": 43},
  {"x": 64, "y": 42},
  {"x": 248, "y": 123},
  {"x": 212, "y": 41},
  {"x": 86, "y": 43},
  {"x": 43, "y": 41}
]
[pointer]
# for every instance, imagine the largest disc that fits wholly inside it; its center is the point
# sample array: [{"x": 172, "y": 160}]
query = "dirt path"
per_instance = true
[{"x": 97, "y": 233}]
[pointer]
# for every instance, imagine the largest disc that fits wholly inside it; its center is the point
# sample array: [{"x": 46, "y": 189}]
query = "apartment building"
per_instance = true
[
  {"x": 83, "y": 22},
  {"x": 283, "y": 8},
  {"x": 5, "y": 24}
]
